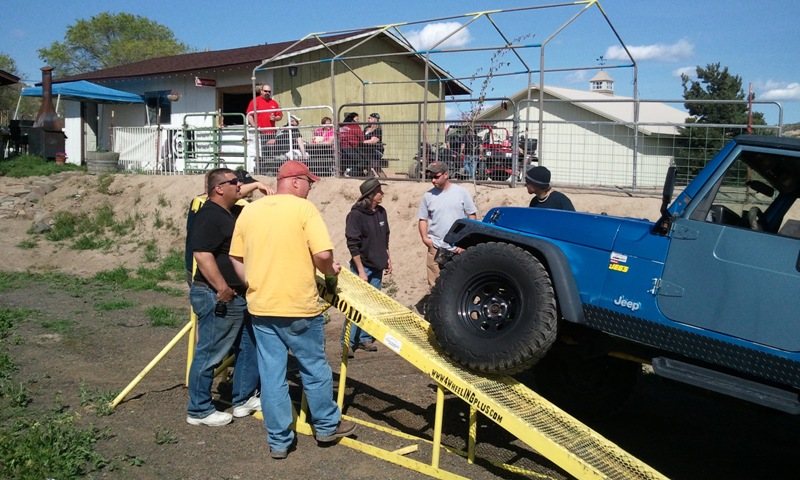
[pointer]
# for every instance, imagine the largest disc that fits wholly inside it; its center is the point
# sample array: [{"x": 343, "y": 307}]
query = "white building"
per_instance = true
[{"x": 591, "y": 137}]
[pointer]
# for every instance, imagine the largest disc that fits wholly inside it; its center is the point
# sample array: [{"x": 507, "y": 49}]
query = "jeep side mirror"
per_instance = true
[{"x": 662, "y": 225}]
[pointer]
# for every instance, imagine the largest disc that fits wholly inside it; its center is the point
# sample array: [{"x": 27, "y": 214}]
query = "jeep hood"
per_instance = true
[{"x": 587, "y": 229}]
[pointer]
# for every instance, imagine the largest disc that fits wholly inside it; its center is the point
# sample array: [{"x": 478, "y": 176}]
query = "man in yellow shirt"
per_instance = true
[{"x": 278, "y": 244}]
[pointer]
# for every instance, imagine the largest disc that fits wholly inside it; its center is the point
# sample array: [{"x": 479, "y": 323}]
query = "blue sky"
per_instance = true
[{"x": 755, "y": 41}]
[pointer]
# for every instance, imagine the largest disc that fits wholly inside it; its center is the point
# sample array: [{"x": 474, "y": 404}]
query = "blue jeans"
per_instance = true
[
  {"x": 471, "y": 164},
  {"x": 357, "y": 335},
  {"x": 275, "y": 336},
  {"x": 216, "y": 337}
]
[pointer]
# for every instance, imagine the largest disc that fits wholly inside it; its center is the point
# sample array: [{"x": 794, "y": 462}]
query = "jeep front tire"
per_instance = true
[{"x": 493, "y": 309}]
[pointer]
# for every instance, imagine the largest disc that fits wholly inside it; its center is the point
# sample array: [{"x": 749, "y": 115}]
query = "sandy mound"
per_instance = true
[{"x": 160, "y": 203}]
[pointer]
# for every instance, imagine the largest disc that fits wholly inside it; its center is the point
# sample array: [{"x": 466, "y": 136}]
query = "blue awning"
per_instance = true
[{"x": 83, "y": 91}]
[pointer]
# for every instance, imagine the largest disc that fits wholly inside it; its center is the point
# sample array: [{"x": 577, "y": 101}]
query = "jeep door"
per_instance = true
[{"x": 733, "y": 264}]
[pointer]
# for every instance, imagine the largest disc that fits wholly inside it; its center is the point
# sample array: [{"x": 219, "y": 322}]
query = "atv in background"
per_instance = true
[{"x": 495, "y": 159}]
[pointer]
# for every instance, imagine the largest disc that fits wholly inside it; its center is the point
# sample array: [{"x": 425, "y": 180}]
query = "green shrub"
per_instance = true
[
  {"x": 28, "y": 244},
  {"x": 91, "y": 242},
  {"x": 58, "y": 326},
  {"x": 103, "y": 182},
  {"x": 32, "y": 166},
  {"x": 161, "y": 316},
  {"x": 55, "y": 447}
]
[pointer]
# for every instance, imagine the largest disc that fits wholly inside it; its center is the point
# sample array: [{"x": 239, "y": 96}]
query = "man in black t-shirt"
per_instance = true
[
  {"x": 537, "y": 181},
  {"x": 217, "y": 298}
]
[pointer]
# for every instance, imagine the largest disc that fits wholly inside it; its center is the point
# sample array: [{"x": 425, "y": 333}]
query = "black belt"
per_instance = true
[{"x": 199, "y": 283}]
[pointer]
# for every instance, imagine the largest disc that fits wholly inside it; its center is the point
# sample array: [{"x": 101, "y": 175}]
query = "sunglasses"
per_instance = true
[
  {"x": 437, "y": 176},
  {"x": 303, "y": 177},
  {"x": 266, "y": 91},
  {"x": 232, "y": 181}
]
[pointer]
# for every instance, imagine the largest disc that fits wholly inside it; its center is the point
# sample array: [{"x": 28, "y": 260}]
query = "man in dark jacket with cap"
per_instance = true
[
  {"x": 367, "y": 233},
  {"x": 537, "y": 181}
]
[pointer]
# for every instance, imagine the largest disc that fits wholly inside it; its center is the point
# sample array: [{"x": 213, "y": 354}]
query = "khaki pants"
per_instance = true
[{"x": 433, "y": 267}]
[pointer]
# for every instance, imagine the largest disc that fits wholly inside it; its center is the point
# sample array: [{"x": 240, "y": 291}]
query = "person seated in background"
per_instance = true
[
  {"x": 373, "y": 144},
  {"x": 324, "y": 134},
  {"x": 351, "y": 139},
  {"x": 289, "y": 141}
]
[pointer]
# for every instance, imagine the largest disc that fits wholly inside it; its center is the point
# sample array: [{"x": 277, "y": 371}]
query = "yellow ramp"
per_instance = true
[{"x": 544, "y": 427}]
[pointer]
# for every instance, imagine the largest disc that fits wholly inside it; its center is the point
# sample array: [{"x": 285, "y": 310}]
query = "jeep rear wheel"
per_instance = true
[{"x": 493, "y": 309}]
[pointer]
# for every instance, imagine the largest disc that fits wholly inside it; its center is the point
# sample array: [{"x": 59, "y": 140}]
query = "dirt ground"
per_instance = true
[{"x": 683, "y": 432}]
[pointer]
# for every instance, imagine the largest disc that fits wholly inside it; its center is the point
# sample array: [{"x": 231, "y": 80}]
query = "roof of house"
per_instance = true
[
  {"x": 8, "y": 78},
  {"x": 657, "y": 117},
  {"x": 250, "y": 57}
]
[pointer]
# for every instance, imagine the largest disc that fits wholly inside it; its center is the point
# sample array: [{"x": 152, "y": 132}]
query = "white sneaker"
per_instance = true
[
  {"x": 252, "y": 405},
  {"x": 216, "y": 419}
]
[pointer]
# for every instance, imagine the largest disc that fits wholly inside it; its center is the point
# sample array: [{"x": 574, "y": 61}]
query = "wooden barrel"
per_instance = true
[{"x": 98, "y": 163}]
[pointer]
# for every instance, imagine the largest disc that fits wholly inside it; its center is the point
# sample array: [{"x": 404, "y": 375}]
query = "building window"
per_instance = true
[{"x": 157, "y": 103}]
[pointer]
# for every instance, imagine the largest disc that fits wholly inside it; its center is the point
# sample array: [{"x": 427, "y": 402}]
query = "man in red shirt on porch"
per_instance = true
[{"x": 264, "y": 121}]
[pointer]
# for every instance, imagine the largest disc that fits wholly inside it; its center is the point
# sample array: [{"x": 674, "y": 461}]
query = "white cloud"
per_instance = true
[
  {"x": 432, "y": 33},
  {"x": 579, "y": 76},
  {"x": 657, "y": 52},
  {"x": 690, "y": 72},
  {"x": 780, "y": 91}
]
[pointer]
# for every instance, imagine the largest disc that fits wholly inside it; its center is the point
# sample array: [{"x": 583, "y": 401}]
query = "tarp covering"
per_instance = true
[{"x": 83, "y": 91}]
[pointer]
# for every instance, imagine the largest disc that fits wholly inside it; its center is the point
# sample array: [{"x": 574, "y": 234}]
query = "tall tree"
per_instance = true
[
  {"x": 108, "y": 40},
  {"x": 702, "y": 142},
  {"x": 9, "y": 95}
]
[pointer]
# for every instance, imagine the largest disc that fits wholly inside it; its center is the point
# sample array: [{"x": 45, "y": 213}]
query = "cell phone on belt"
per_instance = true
[{"x": 221, "y": 309}]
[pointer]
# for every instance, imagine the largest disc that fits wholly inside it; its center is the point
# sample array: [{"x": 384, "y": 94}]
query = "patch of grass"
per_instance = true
[
  {"x": 174, "y": 263},
  {"x": 162, "y": 201},
  {"x": 103, "y": 182},
  {"x": 121, "y": 277},
  {"x": 161, "y": 316},
  {"x": 90, "y": 242},
  {"x": 64, "y": 226},
  {"x": 11, "y": 317},
  {"x": 7, "y": 367},
  {"x": 158, "y": 222},
  {"x": 32, "y": 166},
  {"x": 114, "y": 305},
  {"x": 58, "y": 326},
  {"x": 69, "y": 224},
  {"x": 99, "y": 401},
  {"x": 16, "y": 393},
  {"x": 37, "y": 446},
  {"x": 12, "y": 280},
  {"x": 151, "y": 252},
  {"x": 131, "y": 459},
  {"x": 164, "y": 436},
  {"x": 126, "y": 226},
  {"x": 52, "y": 447},
  {"x": 28, "y": 244}
]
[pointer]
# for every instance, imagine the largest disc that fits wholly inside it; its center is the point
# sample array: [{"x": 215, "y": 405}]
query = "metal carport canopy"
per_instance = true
[{"x": 83, "y": 91}]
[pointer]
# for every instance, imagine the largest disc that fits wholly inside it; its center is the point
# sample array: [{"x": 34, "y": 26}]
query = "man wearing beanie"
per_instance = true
[{"x": 537, "y": 181}]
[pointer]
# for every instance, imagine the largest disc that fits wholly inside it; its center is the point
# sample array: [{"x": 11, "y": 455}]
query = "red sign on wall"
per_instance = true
[{"x": 204, "y": 82}]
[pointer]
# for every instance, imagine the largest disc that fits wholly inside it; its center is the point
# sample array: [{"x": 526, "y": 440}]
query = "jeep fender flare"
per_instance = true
[{"x": 466, "y": 233}]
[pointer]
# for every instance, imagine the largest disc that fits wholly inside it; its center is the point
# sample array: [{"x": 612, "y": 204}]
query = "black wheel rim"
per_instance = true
[{"x": 490, "y": 305}]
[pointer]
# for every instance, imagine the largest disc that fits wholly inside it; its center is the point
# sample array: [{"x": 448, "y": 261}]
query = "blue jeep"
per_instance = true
[{"x": 708, "y": 295}]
